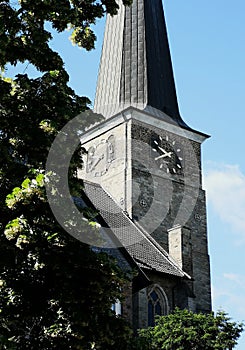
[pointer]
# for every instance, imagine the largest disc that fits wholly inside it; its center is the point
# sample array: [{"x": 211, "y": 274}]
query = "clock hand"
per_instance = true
[
  {"x": 162, "y": 156},
  {"x": 166, "y": 154},
  {"x": 98, "y": 160}
]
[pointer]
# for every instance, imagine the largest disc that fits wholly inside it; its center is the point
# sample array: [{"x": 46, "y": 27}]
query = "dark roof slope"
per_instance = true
[
  {"x": 141, "y": 246},
  {"x": 135, "y": 67}
]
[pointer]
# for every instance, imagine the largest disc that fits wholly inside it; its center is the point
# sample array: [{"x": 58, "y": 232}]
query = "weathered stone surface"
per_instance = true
[{"x": 182, "y": 202}]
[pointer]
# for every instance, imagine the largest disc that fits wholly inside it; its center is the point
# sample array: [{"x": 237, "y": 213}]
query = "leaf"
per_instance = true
[
  {"x": 25, "y": 184},
  {"x": 40, "y": 179},
  {"x": 54, "y": 73}
]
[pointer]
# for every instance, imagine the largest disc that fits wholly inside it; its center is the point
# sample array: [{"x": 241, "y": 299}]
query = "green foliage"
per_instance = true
[
  {"x": 183, "y": 330},
  {"x": 55, "y": 292},
  {"x": 24, "y": 35}
]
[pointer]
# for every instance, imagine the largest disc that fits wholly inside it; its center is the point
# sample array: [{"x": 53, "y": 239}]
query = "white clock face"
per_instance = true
[
  {"x": 100, "y": 157},
  {"x": 167, "y": 154}
]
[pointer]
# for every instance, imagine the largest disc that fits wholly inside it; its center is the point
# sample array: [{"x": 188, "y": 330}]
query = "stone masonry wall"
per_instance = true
[{"x": 163, "y": 200}]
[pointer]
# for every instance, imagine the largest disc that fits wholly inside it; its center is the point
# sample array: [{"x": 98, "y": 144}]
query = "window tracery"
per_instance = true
[{"x": 157, "y": 304}]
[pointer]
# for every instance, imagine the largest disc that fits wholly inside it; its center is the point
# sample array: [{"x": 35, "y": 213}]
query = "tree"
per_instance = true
[
  {"x": 55, "y": 292},
  {"x": 184, "y": 329}
]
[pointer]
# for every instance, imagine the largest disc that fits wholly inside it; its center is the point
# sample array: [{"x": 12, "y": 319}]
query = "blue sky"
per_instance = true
[
  {"x": 208, "y": 52},
  {"x": 207, "y": 42}
]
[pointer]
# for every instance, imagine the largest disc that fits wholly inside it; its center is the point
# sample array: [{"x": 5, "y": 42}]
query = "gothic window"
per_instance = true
[{"x": 157, "y": 304}]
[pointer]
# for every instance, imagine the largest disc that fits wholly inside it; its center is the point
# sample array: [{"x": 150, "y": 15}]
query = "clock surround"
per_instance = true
[{"x": 100, "y": 156}]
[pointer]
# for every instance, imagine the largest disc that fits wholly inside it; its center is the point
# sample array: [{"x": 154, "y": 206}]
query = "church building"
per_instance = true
[{"x": 142, "y": 170}]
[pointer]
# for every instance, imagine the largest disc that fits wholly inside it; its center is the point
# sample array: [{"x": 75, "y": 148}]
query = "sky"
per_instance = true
[{"x": 207, "y": 43}]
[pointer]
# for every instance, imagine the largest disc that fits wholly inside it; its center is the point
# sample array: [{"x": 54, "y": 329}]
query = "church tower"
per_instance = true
[{"x": 148, "y": 161}]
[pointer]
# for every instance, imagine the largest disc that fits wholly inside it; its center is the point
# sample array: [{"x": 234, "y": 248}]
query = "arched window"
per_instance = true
[{"x": 157, "y": 303}]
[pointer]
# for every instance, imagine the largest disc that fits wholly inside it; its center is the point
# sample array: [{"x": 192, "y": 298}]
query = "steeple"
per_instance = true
[{"x": 135, "y": 67}]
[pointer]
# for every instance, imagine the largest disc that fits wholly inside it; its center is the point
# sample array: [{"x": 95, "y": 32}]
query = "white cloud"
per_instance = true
[
  {"x": 225, "y": 185},
  {"x": 236, "y": 278},
  {"x": 228, "y": 295}
]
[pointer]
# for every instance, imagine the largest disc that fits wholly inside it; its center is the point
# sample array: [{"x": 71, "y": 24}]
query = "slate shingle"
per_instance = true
[
  {"x": 141, "y": 246},
  {"x": 135, "y": 67}
]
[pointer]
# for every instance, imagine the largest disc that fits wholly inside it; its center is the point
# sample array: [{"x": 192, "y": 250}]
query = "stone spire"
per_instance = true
[{"x": 135, "y": 67}]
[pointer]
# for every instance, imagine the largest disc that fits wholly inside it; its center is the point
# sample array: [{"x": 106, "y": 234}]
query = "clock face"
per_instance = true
[
  {"x": 167, "y": 154},
  {"x": 100, "y": 157}
]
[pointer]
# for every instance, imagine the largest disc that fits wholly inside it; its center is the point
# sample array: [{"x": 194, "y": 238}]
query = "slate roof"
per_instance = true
[
  {"x": 146, "y": 252},
  {"x": 135, "y": 67}
]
